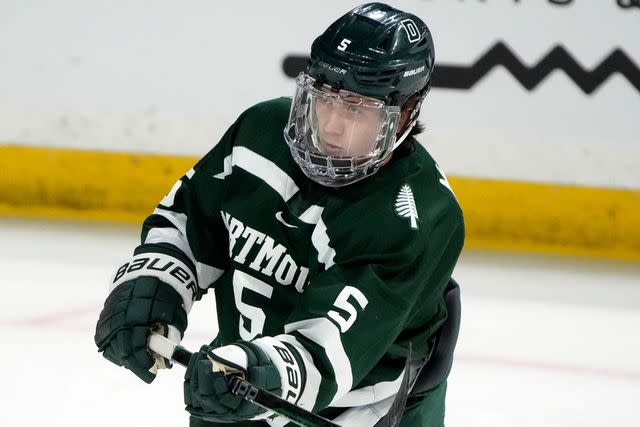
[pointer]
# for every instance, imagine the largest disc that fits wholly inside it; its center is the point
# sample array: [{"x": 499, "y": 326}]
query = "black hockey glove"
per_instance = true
[
  {"x": 129, "y": 313},
  {"x": 206, "y": 392}
]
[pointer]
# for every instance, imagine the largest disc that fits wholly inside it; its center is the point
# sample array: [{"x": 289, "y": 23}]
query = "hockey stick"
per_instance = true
[
  {"x": 395, "y": 412},
  {"x": 269, "y": 401}
]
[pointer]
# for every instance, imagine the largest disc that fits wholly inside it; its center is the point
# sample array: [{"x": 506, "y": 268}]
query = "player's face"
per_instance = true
[
  {"x": 338, "y": 137},
  {"x": 347, "y": 127}
]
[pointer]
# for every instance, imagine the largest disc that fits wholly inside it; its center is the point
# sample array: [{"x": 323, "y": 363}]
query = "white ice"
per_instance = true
[{"x": 545, "y": 341}]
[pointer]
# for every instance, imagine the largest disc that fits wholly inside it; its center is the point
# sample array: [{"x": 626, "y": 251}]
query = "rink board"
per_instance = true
[{"x": 125, "y": 187}]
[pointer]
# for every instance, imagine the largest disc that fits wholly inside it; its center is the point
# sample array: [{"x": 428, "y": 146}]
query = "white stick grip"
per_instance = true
[
  {"x": 165, "y": 348},
  {"x": 161, "y": 346}
]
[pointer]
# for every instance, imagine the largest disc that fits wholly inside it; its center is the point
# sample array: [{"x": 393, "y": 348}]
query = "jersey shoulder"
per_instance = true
[
  {"x": 265, "y": 119},
  {"x": 258, "y": 129},
  {"x": 434, "y": 194},
  {"x": 403, "y": 208},
  {"x": 261, "y": 130}
]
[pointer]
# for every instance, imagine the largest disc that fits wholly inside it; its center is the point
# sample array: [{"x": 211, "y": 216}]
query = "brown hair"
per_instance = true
[{"x": 407, "y": 146}]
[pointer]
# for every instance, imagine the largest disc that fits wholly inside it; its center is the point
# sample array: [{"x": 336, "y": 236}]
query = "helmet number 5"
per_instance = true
[
  {"x": 342, "y": 302},
  {"x": 343, "y": 44}
]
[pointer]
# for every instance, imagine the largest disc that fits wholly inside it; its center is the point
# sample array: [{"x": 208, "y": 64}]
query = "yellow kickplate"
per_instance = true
[
  {"x": 554, "y": 218},
  {"x": 125, "y": 187},
  {"x": 65, "y": 183}
]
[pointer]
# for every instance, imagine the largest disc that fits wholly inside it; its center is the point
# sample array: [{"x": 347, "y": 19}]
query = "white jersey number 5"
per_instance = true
[
  {"x": 254, "y": 315},
  {"x": 343, "y": 304}
]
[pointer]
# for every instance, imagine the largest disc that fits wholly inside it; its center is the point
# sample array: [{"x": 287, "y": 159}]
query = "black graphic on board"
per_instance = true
[{"x": 464, "y": 77}]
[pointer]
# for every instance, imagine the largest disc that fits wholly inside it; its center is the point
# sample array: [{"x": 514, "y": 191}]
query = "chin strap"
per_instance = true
[
  {"x": 400, "y": 140},
  {"x": 396, "y": 144},
  {"x": 404, "y": 135},
  {"x": 415, "y": 113}
]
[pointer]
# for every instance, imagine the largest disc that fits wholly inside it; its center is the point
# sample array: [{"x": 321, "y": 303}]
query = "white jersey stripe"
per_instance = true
[
  {"x": 178, "y": 220},
  {"x": 327, "y": 335},
  {"x": 320, "y": 241},
  {"x": 226, "y": 168},
  {"x": 169, "y": 199},
  {"x": 266, "y": 170},
  {"x": 271, "y": 174},
  {"x": 170, "y": 235},
  {"x": 367, "y": 415},
  {"x": 278, "y": 421},
  {"x": 206, "y": 274},
  {"x": 371, "y": 394},
  {"x": 312, "y": 214}
]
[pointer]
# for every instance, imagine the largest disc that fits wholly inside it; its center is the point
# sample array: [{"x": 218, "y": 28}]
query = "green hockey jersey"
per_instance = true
[{"x": 332, "y": 283}]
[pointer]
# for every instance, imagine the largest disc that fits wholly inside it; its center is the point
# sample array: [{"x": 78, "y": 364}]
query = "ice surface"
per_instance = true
[{"x": 545, "y": 341}]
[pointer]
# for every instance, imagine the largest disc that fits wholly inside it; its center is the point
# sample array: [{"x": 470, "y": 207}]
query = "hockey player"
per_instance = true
[{"x": 328, "y": 246}]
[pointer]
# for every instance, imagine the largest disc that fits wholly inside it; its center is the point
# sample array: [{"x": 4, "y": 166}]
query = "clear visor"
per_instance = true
[
  {"x": 338, "y": 137},
  {"x": 343, "y": 124}
]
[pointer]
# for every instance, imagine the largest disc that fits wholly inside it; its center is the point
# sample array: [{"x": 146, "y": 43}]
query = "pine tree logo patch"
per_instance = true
[{"x": 405, "y": 206}]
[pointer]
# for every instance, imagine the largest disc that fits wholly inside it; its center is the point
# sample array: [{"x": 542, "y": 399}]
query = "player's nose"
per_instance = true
[{"x": 333, "y": 122}]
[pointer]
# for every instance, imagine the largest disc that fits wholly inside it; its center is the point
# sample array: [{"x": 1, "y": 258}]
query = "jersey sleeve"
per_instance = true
[
  {"x": 186, "y": 227},
  {"x": 355, "y": 320}
]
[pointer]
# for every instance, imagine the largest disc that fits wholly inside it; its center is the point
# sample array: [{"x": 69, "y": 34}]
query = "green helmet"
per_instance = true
[
  {"x": 345, "y": 115},
  {"x": 377, "y": 51}
]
